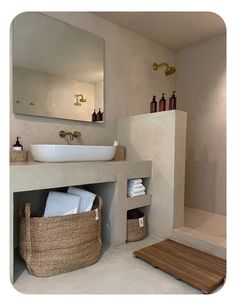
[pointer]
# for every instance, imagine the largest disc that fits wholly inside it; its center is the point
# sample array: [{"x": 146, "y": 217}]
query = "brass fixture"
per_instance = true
[
  {"x": 169, "y": 69},
  {"x": 64, "y": 133},
  {"x": 76, "y": 134},
  {"x": 79, "y": 99}
]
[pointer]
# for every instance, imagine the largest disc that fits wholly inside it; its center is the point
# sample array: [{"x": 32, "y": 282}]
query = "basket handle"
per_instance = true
[
  {"x": 100, "y": 220},
  {"x": 27, "y": 212}
]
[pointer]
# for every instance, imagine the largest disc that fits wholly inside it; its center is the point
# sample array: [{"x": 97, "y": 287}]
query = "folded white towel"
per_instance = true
[
  {"x": 86, "y": 198},
  {"x": 135, "y": 181},
  {"x": 136, "y": 187},
  {"x": 59, "y": 203},
  {"x": 136, "y": 190},
  {"x": 136, "y": 194}
]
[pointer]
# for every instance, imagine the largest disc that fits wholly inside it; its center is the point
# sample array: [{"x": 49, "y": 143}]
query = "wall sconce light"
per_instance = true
[{"x": 79, "y": 99}]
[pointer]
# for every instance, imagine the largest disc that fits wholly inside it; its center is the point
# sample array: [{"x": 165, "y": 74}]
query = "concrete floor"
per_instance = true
[
  {"x": 207, "y": 225},
  {"x": 212, "y": 223},
  {"x": 117, "y": 272}
]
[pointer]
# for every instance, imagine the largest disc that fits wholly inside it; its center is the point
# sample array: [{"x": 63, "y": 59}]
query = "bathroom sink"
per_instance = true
[{"x": 69, "y": 153}]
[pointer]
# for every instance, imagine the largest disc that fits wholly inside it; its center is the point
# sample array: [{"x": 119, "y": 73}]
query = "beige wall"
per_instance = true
[
  {"x": 200, "y": 85},
  {"x": 130, "y": 83}
]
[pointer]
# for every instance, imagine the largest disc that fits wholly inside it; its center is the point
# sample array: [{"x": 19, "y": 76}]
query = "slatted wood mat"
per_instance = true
[{"x": 199, "y": 269}]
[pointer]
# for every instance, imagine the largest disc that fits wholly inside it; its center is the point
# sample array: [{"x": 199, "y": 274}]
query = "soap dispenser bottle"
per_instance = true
[
  {"x": 99, "y": 115},
  {"x": 162, "y": 103},
  {"x": 153, "y": 105},
  {"x": 172, "y": 101},
  {"x": 17, "y": 146},
  {"x": 94, "y": 116}
]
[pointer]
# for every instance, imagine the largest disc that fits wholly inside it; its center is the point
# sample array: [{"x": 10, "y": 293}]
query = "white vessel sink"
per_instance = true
[{"x": 69, "y": 153}]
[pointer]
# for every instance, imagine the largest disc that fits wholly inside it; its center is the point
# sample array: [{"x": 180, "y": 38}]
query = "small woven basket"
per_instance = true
[
  {"x": 136, "y": 225},
  {"x": 18, "y": 156},
  {"x": 55, "y": 245}
]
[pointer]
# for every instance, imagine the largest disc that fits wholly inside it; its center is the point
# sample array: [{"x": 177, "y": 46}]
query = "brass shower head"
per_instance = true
[{"x": 169, "y": 69}]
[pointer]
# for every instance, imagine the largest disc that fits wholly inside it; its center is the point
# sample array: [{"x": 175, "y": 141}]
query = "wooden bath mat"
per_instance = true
[{"x": 197, "y": 268}]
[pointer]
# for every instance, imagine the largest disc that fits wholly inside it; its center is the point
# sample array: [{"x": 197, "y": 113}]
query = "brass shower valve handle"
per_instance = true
[{"x": 76, "y": 134}]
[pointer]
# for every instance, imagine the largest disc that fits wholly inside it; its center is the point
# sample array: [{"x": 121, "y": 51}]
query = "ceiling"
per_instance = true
[{"x": 176, "y": 30}]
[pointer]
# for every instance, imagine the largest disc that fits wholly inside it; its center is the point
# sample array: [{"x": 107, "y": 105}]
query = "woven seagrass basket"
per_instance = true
[
  {"x": 136, "y": 225},
  {"x": 55, "y": 245},
  {"x": 18, "y": 156}
]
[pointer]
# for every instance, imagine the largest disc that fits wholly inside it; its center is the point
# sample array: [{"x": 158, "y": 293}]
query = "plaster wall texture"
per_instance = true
[
  {"x": 130, "y": 83},
  {"x": 201, "y": 87}
]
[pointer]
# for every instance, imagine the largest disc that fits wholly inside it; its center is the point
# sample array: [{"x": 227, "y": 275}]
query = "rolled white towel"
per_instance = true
[
  {"x": 136, "y": 194},
  {"x": 86, "y": 198},
  {"x": 59, "y": 203},
  {"x": 135, "y": 181}
]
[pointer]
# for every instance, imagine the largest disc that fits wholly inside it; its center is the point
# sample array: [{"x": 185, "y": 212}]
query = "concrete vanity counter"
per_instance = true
[
  {"x": 36, "y": 175},
  {"x": 108, "y": 179}
]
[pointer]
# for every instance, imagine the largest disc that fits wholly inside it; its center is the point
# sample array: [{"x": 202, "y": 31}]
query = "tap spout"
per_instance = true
[{"x": 63, "y": 133}]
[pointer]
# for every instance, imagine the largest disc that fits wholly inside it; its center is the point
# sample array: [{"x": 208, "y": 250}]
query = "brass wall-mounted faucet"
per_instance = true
[{"x": 76, "y": 134}]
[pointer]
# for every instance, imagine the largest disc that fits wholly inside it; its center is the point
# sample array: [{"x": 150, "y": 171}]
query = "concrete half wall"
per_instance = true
[{"x": 160, "y": 137}]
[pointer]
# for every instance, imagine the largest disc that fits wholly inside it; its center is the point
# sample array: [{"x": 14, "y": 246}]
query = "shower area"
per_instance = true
[
  {"x": 204, "y": 229},
  {"x": 201, "y": 86}
]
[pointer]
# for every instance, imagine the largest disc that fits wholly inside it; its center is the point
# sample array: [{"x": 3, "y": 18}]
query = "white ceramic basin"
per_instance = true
[{"x": 69, "y": 153}]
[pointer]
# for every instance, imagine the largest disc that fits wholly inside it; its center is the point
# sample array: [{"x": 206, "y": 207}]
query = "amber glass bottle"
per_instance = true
[
  {"x": 153, "y": 105},
  {"x": 172, "y": 102},
  {"x": 94, "y": 116},
  {"x": 162, "y": 103},
  {"x": 99, "y": 115}
]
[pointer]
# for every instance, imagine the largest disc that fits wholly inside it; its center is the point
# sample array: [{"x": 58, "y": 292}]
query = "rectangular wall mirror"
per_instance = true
[{"x": 58, "y": 70}]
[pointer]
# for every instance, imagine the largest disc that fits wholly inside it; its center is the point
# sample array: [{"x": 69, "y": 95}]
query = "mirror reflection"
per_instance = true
[{"x": 58, "y": 70}]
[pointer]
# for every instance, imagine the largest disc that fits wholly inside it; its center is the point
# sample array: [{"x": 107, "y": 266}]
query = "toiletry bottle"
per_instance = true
[
  {"x": 162, "y": 103},
  {"x": 172, "y": 102},
  {"x": 94, "y": 116},
  {"x": 17, "y": 146},
  {"x": 153, "y": 105},
  {"x": 99, "y": 115},
  {"x": 102, "y": 115}
]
